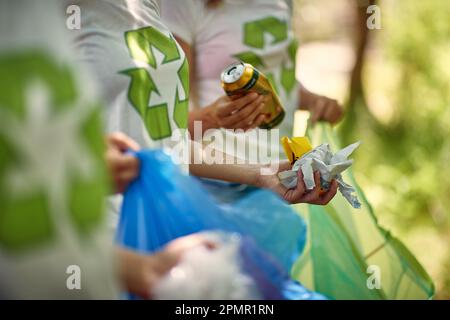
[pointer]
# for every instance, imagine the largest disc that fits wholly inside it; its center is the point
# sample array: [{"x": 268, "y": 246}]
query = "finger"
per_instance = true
[
  {"x": 124, "y": 179},
  {"x": 124, "y": 169},
  {"x": 339, "y": 113},
  {"x": 262, "y": 118},
  {"x": 250, "y": 108},
  {"x": 333, "y": 112},
  {"x": 233, "y": 105},
  {"x": 317, "y": 178},
  {"x": 246, "y": 115},
  {"x": 125, "y": 162},
  {"x": 301, "y": 187},
  {"x": 112, "y": 160},
  {"x": 130, "y": 173},
  {"x": 247, "y": 99},
  {"x": 118, "y": 140},
  {"x": 259, "y": 120},
  {"x": 296, "y": 195},
  {"x": 255, "y": 114},
  {"x": 317, "y": 110},
  {"x": 122, "y": 142},
  {"x": 247, "y": 122},
  {"x": 314, "y": 195},
  {"x": 328, "y": 112},
  {"x": 326, "y": 198}
]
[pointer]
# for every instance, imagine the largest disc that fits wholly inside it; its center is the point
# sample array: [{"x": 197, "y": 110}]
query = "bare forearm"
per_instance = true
[
  {"x": 245, "y": 174},
  {"x": 225, "y": 167},
  {"x": 265, "y": 176}
]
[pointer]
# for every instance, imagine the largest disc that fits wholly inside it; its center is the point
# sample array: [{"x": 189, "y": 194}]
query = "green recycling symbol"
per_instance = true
[
  {"x": 254, "y": 37},
  {"x": 51, "y": 153},
  {"x": 141, "y": 43}
]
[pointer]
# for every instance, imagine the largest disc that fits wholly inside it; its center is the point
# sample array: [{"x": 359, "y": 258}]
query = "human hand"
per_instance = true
[
  {"x": 139, "y": 273},
  {"x": 299, "y": 194},
  {"x": 123, "y": 167},
  {"x": 236, "y": 112},
  {"x": 321, "y": 108}
]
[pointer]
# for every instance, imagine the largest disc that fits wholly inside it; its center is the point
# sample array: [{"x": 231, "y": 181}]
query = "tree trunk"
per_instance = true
[{"x": 357, "y": 101}]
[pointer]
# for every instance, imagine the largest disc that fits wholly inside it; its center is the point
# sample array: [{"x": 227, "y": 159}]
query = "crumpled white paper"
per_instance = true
[
  {"x": 204, "y": 274},
  {"x": 330, "y": 167}
]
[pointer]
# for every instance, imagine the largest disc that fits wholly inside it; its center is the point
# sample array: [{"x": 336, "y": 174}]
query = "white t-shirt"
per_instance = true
[
  {"x": 254, "y": 31},
  {"x": 54, "y": 243},
  {"x": 142, "y": 72}
]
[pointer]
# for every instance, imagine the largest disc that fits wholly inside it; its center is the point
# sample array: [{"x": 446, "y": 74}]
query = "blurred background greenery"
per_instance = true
[{"x": 395, "y": 84}]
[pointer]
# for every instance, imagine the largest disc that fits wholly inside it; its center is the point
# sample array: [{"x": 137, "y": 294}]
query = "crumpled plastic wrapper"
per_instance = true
[
  {"x": 204, "y": 274},
  {"x": 330, "y": 167}
]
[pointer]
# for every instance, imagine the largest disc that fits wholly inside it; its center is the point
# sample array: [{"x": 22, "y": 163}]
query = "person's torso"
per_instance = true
[
  {"x": 141, "y": 69},
  {"x": 257, "y": 32}
]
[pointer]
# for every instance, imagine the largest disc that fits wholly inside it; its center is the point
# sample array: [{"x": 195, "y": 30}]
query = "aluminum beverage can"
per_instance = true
[{"x": 239, "y": 78}]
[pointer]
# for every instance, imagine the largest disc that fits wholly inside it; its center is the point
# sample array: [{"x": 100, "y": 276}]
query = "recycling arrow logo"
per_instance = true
[
  {"x": 141, "y": 43},
  {"x": 255, "y": 31},
  {"x": 256, "y": 35}
]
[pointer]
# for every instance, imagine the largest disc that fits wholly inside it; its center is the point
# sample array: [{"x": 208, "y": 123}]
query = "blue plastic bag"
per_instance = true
[
  {"x": 272, "y": 280},
  {"x": 164, "y": 204}
]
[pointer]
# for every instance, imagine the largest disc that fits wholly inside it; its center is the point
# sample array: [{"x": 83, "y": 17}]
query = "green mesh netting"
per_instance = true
[{"x": 343, "y": 242}]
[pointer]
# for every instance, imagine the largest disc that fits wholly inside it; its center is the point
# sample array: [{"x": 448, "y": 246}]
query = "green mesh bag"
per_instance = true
[{"x": 344, "y": 242}]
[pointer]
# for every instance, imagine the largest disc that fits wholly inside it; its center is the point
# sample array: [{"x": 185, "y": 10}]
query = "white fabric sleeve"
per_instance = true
[{"x": 182, "y": 17}]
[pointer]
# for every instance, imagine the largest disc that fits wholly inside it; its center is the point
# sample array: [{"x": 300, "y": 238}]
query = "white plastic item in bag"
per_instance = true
[{"x": 204, "y": 274}]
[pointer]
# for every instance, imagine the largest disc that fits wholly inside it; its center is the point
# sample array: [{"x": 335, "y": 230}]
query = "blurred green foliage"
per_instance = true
[
  {"x": 407, "y": 155},
  {"x": 402, "y": 118}
]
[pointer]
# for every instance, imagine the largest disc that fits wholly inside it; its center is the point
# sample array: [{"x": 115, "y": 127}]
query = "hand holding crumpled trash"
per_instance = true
[{"x": 303, "y": 157}]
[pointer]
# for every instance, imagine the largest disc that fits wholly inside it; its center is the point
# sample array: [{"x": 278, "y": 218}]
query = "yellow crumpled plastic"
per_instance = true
[{"x": 295, "y": 147}]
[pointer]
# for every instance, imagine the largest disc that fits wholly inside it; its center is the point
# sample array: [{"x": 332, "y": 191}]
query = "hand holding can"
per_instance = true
[
  {"x": 238, "y": 112},
  {"x": 240, "y": 78}
]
